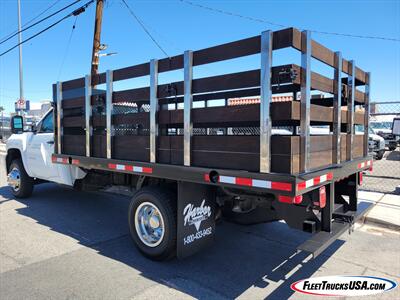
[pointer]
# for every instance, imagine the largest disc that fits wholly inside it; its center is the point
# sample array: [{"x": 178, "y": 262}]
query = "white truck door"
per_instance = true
[{"x": 40, "y": 148}]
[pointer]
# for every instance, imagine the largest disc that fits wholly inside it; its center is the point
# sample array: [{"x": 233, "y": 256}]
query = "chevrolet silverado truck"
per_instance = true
[{"x": 188, "y": 156}]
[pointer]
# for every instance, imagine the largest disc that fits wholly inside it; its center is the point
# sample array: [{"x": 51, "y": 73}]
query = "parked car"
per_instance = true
[
  {"x": 384, "y": 129},
  {"x": 376, "y": 145}
]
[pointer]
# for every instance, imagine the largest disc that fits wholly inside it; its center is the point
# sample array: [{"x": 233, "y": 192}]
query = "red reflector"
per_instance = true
[
  {"x": 75, "y": 162},
  {"x": 283, "y": 186},
  {"x": 244, "y": 181},
  {"x": 291, "y": 200},
  {"x": 112, "y": 166},
  {"x": 207, "y": 177},
  {"x": 329, "y": 176},
  {"x": 129, "y": 168},
  {"x": 53, "y": 159},
  {"x": 360, "y": 178},
  {"x": 370, "y": 168},
  {"x": 147, "y": 170},
  {"x": 322, "y": 196},
  {"x": 301, "y": 186}
]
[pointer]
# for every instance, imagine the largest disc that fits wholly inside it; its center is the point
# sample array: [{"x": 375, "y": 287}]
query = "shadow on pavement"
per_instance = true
[
  {"x": 242, "y": 257},
  {"x": 394, "y": 155}
]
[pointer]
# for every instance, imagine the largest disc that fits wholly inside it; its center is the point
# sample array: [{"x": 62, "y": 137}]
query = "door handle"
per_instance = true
[{"x": 50, "y": 142}]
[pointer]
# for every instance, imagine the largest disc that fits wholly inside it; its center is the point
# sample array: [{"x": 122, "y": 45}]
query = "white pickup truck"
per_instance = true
[{"x": 29, "y": 159}]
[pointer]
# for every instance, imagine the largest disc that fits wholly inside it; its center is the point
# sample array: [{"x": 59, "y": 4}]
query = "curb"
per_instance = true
[{"x": 380, "y": 223}]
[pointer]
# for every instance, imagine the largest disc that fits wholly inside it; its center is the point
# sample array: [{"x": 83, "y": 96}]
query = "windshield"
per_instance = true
[{"x": 381, "y": 125}]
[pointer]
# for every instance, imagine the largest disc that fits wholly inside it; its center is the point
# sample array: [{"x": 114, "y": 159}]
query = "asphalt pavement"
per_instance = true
[{"x": 64, "y": 244}]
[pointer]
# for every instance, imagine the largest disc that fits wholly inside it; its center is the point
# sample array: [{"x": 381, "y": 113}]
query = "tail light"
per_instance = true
[
  {"x": 322, "y": 197},
  {"x": 291, "y": 200}
]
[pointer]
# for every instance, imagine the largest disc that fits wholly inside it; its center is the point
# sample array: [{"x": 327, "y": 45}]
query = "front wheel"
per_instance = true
[
  {"x": 379, "y": 154},
  {"x": 19, "y": 181},
  {"x": 152, "y": 222}
]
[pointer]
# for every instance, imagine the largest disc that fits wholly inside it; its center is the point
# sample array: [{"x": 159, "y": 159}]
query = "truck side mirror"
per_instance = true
[{"x": 17, "y": 124}]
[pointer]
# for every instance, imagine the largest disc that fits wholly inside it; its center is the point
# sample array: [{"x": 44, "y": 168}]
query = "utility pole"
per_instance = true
[
  {"x": 21, "y": 83},
  {"x": 96, "y": 37}
]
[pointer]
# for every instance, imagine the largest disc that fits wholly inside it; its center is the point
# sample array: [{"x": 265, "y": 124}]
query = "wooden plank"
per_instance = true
[
  {"x": 73, "y": 84},
  {"x": 234, "y": 152},
  {"x": 249, "y": 115},
  {"x": 131, "y": 147},
  {"x": 73, "y": 144},
  {"x": 240, "y": 80},
  {"x": 80, "y": 101},
  {"x": 132, "y": 95},
  {"x": 98, "y": 121},
  {"x": 77, "y": 121},
  {"x": 99, "y": 146},
  {"x": 325, "y": 55},
  {"x": 321, "y": 83},
  {"x": 359, "y": 97},
  {"x": 248, "y": 46},
  {"x": 73, "y": 103},
  {"x": 141, "y": 118}
]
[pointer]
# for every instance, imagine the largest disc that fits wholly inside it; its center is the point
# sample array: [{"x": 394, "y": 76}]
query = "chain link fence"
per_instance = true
[{"x": 384, "y": 145}]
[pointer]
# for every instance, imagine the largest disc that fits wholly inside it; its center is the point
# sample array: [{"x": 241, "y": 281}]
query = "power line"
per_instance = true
[
  {"x": 31, "y": 20},
  {"x": 144, "y": 28},
  {"x": 67, "y": 48},
  {"x": 40, "y": 21},
  {"x": 259, "y": 20},
  {"x": 74, "y": 13}
]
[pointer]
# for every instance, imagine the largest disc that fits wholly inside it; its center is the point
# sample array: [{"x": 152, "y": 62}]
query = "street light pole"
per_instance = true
[{"x": 21, "y": 83}]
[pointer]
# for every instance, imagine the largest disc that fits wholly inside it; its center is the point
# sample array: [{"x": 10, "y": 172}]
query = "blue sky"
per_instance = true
[{"x": 178, "y": 27}]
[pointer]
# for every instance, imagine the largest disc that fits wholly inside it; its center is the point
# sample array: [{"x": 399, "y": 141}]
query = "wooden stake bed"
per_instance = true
[{"x": 158, "y": 122}]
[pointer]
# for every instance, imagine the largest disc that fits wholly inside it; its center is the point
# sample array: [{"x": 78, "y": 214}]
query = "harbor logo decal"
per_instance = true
[
  {"x": 343, "y": 285},
  {"x": 195, "y": 215}
]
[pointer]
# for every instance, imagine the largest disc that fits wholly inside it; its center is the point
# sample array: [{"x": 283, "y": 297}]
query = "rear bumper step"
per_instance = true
[{"x": 322, "y": 240}]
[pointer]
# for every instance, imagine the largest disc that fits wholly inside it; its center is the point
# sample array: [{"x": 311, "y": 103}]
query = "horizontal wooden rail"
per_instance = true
[{"x": 326, "y": 56}]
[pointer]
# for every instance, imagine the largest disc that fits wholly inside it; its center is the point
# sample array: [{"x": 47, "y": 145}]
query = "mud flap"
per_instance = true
[{"x": 196, "y": 217}]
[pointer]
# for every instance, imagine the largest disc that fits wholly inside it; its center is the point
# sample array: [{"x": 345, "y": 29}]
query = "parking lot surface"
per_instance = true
[{"x": 64, "y": 244}]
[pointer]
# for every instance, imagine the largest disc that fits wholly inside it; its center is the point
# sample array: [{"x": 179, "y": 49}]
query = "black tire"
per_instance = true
[
  {"x": 392, "y": 148},
  {"x": 379, "y": 154},
  {"x": 165, "y": 201},
  {"x": 26, "y": 183}
]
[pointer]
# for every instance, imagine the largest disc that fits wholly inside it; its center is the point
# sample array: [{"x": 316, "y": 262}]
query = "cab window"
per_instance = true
[{"x": 47, "y": 124}]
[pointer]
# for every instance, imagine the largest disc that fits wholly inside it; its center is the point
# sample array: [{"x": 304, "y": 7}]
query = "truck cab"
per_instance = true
[{"x": 29, "y": 157}]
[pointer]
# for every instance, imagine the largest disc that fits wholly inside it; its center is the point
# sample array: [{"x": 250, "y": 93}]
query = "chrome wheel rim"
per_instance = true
[
  {"x": 149, "y": 224},
  {"x": 14, "y": 179}
]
